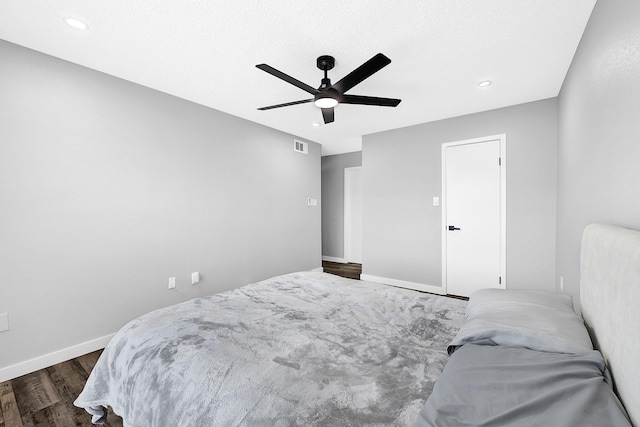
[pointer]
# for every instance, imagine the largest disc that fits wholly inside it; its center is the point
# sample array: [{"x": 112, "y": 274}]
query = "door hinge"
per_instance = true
[
  {"x": 499, "y": 280},
  {"x": 499, "y": 161}
]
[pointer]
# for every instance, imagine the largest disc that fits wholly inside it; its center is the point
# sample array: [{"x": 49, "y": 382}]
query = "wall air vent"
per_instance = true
[{"x": 300, "y": 147}]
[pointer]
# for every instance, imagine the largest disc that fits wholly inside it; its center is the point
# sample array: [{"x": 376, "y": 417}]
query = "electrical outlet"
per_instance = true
[
  {"x": 4, "y": 322},
  {"x": 195, "y": 278},
  {"x": 172, "y": 282}
]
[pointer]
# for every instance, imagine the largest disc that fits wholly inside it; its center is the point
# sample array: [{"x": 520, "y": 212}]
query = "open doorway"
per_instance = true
[{"x": 353, "y": 214}]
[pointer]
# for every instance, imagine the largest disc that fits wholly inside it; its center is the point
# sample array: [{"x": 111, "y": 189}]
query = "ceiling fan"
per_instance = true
[{"x": 329, "y": 95}]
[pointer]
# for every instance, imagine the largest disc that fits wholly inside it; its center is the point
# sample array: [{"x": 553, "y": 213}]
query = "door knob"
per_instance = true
[{"x": 453, "y": 228}]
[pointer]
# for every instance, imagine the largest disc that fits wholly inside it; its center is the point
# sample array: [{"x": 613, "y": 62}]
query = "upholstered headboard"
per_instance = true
[{"x": 610, "y": 302}]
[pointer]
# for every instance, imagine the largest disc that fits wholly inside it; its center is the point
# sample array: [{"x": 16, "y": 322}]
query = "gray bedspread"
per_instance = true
[
  {"x": 522, "y": 359},
  {"x": 306, "y": 349},
  {"x": 498, "y": 386}
]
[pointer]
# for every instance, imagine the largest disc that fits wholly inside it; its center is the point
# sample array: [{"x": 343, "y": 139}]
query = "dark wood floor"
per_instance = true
[
  {"x": 350, "y": 270},
  {"x": 45, "y": 397}
]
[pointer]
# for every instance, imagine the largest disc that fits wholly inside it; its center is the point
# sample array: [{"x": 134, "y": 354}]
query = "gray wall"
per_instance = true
[
  {"x": 333, "y": 201},
  {"x": 108, "y": 188},
  {"x": 402, "y": 172},
  {"x": 599, "y": 133}
]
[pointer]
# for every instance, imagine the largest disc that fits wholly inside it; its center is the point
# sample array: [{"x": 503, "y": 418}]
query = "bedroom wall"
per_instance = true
[
  {"x": 402, "y": 172},
  {"x": 108, "y": 189},
  {"x": 333, "y": 202},
  {"x": 599, "y": 133}
]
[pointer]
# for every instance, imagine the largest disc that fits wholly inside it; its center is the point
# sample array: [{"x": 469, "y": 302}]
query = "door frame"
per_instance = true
[
  {"x": 502, "y": 138},
  {"x": 347, "y": 210}
]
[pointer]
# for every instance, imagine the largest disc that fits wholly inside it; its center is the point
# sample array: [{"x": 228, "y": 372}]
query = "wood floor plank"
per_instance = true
[
  {"x": 114, "y": 420},
  {"x": 61, "y": 414},
  {"x": 65, "y": 416},
  {"x": 68, "y": 378},
  {"x": 349, "y": 270},
  {"x": 40, "y": 418},
  {"x": 45, "y": 398},
  {"x": 44, "y": 417},
  {"x": 9, "y": 406},
  {"x": 27, "y": 421},
  {"x": 39, "y": 388},
  {"x": 88, "y": 361}
]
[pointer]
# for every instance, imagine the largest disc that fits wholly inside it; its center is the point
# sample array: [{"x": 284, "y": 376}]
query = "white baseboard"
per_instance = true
[
  {"x": 318, "y": 270},
  {"x": 334, "y": 259},
  {"x": 44, "y": 361},
  {"x": 403, "y": 284}
]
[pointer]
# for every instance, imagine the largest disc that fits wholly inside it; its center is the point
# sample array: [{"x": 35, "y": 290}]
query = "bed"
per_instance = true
[
  {"x": 317, "y": 350},
  {"x": 304, "y": 349},
  {"x": 525, "y": 358}
]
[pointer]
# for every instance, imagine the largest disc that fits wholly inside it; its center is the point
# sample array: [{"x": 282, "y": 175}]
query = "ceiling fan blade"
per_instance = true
[
  {"x": 369, "y": 100},
  {"x": 327, "y": 115},
  {"x": 270, "y": 107},
  {"x": 287, "y": 78},
  {"x": 370, "y": 67}
]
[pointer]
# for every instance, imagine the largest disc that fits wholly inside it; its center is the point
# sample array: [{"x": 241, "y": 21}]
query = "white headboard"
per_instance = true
[{"x": 610, "y": 302}]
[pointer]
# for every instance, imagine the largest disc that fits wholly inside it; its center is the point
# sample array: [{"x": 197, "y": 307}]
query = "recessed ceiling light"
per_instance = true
[
  {"x": 316, "y": 124},
  {"x": 75, "y": 23},
  {"x": 485, "y": 83}
]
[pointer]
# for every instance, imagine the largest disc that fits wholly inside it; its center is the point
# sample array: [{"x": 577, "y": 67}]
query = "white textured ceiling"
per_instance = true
[{"x": 206, "y": 51}]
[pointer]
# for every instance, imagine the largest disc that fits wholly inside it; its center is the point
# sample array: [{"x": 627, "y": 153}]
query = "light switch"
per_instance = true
[
  {"x": 436, "y": 201},
  {"x": 312, "y": 202}
]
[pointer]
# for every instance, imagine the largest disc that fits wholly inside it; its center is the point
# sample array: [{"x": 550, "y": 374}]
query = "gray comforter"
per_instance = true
[{"x": 301, "y": 349}]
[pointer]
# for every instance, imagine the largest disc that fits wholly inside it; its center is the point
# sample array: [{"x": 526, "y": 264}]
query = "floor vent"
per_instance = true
[{"x": 300, "y": 147}]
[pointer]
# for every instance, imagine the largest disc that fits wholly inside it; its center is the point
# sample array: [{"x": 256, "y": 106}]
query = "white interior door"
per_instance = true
[
  {"x": 353, "y": 214},
  {"x": 473, "y": 216}
]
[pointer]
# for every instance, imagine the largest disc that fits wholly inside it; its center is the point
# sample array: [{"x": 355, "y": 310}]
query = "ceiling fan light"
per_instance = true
[{"x": 326, "y": 102}]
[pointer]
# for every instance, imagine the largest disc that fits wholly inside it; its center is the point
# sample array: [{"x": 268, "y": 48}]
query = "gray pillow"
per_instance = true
[{"x": 537, "y": 320}]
